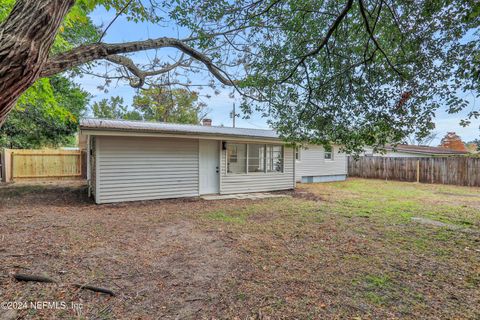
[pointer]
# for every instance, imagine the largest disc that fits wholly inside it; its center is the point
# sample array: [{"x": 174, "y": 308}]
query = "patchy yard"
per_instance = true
[{"x": 337, "y": 250}]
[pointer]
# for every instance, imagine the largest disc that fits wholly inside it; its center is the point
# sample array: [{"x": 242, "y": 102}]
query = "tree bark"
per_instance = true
[
  {"x": 26, "y": 37},
  {"x": 92, "y": 52}
]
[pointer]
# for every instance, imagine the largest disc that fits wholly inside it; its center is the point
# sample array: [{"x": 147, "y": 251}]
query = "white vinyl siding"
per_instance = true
[
  {"x": 313, "y": 163},
  {"x": 131, "y": 168},
  {"x": 93, "y": 165},
  {"x": 258, "y": 181}
]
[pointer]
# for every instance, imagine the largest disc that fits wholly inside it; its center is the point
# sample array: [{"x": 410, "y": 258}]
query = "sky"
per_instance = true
[{"x": 220, "y": 106}]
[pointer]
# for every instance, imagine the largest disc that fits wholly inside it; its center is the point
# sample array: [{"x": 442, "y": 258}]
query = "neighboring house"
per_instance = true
[
  {"x": 319, "y": 164},
  {"x": 405, "y": 150},
  {"x": 134, "y": 160}
]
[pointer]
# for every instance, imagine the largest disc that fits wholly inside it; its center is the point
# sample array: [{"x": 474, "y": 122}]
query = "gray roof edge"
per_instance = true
[
  {"x": 168, "y": 123},
  {"x": 174, "y": 128},
  {"x": 442, "y": 151},
  {"x": 183, "y": 133}
]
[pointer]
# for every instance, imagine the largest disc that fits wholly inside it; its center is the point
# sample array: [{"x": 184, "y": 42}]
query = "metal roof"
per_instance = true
[
  {"x": 423, "y": 149},
  {"x": 173, "y": 128}
]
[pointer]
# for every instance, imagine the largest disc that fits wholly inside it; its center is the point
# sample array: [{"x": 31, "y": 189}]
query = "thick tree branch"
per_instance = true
[
  {"x": 141, "y": 74},
  {"x": 89, "y": 53}
]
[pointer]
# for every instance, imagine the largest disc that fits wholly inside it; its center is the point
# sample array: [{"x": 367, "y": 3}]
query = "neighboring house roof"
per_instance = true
[
  {"x": 424, "y": 149},
  {"x": 174, "y": 128}
]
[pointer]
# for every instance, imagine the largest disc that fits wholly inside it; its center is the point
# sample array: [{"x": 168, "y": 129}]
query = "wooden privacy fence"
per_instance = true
[
  {"x": 461, "y": 171},
  {"x": 45, "y": 164}
]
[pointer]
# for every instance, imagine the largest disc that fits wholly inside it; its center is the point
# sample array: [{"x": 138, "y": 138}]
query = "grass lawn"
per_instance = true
[{"x": 359, "y": 249}]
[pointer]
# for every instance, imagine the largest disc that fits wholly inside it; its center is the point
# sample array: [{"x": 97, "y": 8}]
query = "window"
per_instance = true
[
  {"x": 297, "y": 154},
  {"x": 236, "y": 158},
  {"x": 328, "y": 153},
  {"x": 274, "y": 158},
  {"x": 254, "y": 158}
]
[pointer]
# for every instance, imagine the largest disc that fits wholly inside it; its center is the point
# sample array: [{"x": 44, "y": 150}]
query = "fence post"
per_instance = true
[
  {"x": 11, "y": 167},
  {"x": 79, "y": 163},
  {"x": 2, "y": 165},
  {"x": 418, "y": 171},
  {"x": 406, "y": 171},
  {"x": 387, "y": 161},
  {"x": 431, "y": 170},
  {"x": 3, "y": 173}
]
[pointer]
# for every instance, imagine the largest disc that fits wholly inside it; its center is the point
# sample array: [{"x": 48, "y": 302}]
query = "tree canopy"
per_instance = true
[
  {"x": 158, "y": 103},
  {"x": 155, "y": 103},
  {"x": 45, "y": 116},
  {"x": 114, "y": 108},
  {"x": 453, "y": 141},
  {"x": 473, "y": 146},
  {"x": 353, "y": 72}
]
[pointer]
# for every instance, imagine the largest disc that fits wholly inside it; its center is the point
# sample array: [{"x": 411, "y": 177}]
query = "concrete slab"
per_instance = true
[
  {"x": 443, "y": 225},
  {"x": 241, "y": 196}
]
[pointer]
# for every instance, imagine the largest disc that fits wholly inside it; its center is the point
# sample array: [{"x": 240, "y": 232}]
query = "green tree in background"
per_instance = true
[
  {"x": 475, "y": 142},
  {"x": 161, "y": 104},
  {"x": 45, "y": 116},
  {"x": 154, "y": 104},
  {"x": 114, "y": 109}
]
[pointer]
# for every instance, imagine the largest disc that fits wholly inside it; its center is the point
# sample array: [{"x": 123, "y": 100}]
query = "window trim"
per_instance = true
[
  {"x": 325, "y": 152},
  {"x": 298, "y": 154},
  {"x": 264, "y": 172}
]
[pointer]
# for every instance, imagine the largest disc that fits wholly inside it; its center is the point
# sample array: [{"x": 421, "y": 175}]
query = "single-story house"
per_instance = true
[
  {"x": 412, "y": 151},
  {"x": 135, "y": 160}
]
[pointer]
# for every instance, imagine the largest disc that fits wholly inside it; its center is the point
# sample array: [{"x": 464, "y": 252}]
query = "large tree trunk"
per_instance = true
[
  {"x": 29, "y": 31},
  {"x": 25, "y": 40}
]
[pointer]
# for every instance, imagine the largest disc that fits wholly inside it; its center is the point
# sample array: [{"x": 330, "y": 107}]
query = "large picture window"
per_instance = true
[{"x": 254, "y": 158}]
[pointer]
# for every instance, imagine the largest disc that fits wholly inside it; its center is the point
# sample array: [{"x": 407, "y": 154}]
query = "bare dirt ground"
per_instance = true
[
  {"x": 341, "y": 250},
  {"x": 158, "y": 261}
]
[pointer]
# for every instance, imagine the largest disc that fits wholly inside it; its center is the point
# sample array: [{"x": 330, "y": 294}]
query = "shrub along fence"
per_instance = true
[
  {"x": 461, "y": 171},
  {"x": 43, "y": 164}
]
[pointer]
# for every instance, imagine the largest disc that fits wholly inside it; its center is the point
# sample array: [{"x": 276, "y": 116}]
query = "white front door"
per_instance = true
[{"x": 209, "y": 166}]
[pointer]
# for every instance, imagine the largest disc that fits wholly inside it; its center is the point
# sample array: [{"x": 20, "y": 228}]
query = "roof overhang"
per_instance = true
[{"x": 176, "y": 134}]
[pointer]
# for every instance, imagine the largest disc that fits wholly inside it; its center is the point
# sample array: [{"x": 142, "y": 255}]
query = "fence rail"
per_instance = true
[
  {"x": 461, "y": 171},
  {"x": 41, "y": 164}
]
